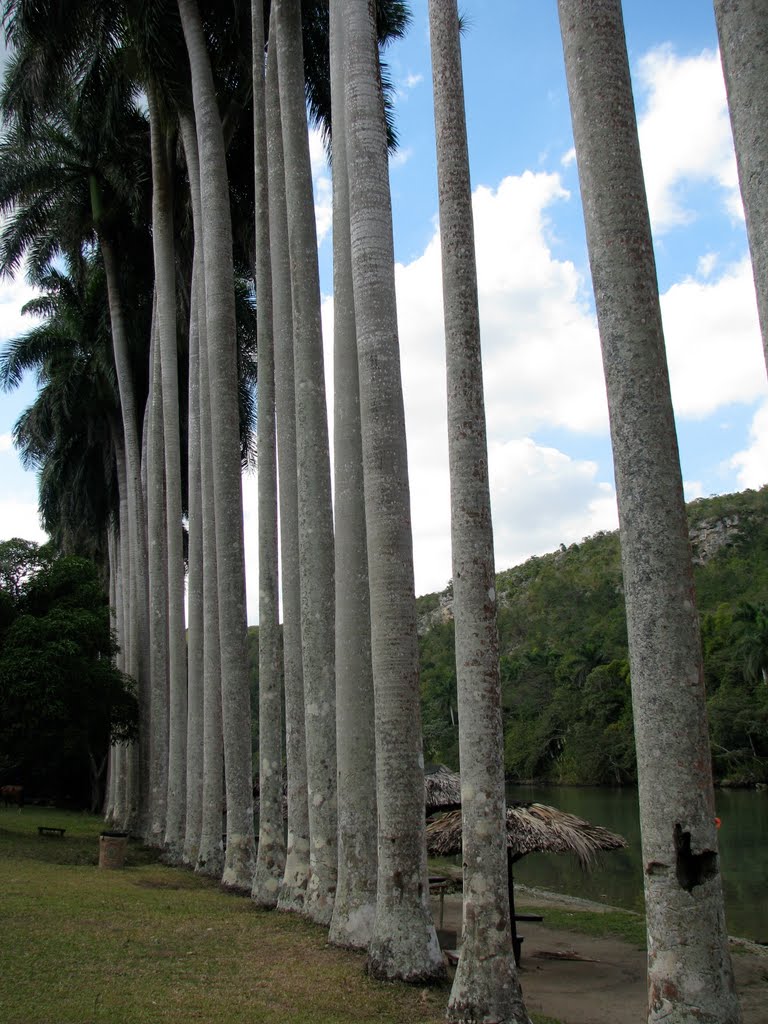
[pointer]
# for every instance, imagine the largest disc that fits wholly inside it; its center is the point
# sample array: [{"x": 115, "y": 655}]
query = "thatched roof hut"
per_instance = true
[
  {"x": 442, "y": 788},
  {"x": 531, "y": 828}
]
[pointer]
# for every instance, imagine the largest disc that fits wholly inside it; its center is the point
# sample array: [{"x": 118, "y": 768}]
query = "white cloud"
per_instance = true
[
  {"x": 20, "y": 518},
  {"x": 693, "y": 489},
  {"x": 13, "y": 295},
  {"x": 407, "y": 84},
  {"x": 568, "y": 158},
  {"x": 685, "y": 133},
  {"x": 322, "y": 185},
  {"x": 400, "y": 157},
  {"x": 752, "y": 463},
  {"x": 713, "y": 342},
  {"x": 6, "y": 443},
  {"x": 706, "y": 264},
  {"x": 541, "y": 365}
]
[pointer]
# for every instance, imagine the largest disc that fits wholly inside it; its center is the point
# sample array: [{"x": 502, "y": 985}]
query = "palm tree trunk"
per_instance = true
[
  {"x": 316, "y": 560},
  {"x": 742, "y": 28},
  {"x": 167, "y": 341},
  {"x": 113, "y": 547},
  {"x": 270, "y": 862},
  {"x": 210, "y": 859},
  {"x": 195, "y": 631},
  {"x": 296, "y": 877},
  {"x": 404, "y": 944},
  {"x": 158, "y": 604},
  {"x": 225, "y": 435},
  {"x": 138, "y": 637},
  {"x": 485, "y": 986},
  {"x": 354, "y": 909},
  {"x": 120, "y": 811},
  {"x": 687, "y": 940}
]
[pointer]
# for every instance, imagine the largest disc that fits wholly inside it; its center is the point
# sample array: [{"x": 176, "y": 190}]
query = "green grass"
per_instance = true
[
  {"x": 621, "y": 924},
  {"x": 152, "y": 944}
]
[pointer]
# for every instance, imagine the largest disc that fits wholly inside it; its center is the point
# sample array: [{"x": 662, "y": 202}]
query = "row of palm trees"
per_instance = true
[{"x": 137, "y": 197}]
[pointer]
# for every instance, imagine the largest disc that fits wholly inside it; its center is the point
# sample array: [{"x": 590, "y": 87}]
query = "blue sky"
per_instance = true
[{"x": 552, "y": 477}]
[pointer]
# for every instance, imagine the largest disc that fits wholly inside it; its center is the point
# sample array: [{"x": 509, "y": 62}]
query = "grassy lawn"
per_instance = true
[
  {"x": 151, "y": 944},
  {"x": 621, "y": 924}
]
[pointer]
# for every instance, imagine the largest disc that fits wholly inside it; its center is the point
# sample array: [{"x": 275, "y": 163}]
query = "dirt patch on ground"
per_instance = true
[{"x": 583, "y": 979}]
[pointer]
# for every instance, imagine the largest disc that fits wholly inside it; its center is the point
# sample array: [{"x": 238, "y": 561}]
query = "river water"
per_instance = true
[{"x": 618, "y": 880}]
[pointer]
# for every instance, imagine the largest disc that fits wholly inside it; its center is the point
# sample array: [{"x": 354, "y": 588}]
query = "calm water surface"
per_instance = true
[{"x": 618, "y": 877}]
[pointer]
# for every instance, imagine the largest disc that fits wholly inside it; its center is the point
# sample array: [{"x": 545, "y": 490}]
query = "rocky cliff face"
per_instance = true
[
  {"x": 711, "y": 535},
  {"x": 708, "y": 537}
]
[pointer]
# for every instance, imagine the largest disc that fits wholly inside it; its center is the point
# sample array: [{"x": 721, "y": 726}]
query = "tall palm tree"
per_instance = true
[
  {"x": 193, "y": 818},
  {"x": 296, "y": 877},
  {"x": 313, "y": 470},
  {"x": 687, "y": 939},
  {"x": 166, "y": 340},
  {"x": 270, "y": 862},
  {"x": 210, "y": 851},
  {"x": 157, "y": 550},
  {"x": 222, "y": 382},
  {"x": 485, "y": 986},
  {"x": 70, "y": 432},
  {"x": 354, "y": 908},
  {"x": 404, "y": 944},
  {"x": 742, "y": 28}
]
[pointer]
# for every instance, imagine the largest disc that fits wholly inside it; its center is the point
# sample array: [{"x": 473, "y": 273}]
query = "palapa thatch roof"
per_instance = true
[
  {"x": 442, "y": 788},
  {"x": 531, "y": 828}
]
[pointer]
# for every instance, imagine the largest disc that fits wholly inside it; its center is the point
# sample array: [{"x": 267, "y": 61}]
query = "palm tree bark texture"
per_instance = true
[
  {"x": 742, "y": 28},
  {"x": 486, "y": 986},
  {"x": 689, "y": 970},
  {"x": 240, "y": 856},
  {"x": 296, "y": 877},
  {"x": 316, "y": 561},
  {"x": 354, "y": 909},
  {"x": 270, "y": 861},
  {"x": 404, "y": 943}
]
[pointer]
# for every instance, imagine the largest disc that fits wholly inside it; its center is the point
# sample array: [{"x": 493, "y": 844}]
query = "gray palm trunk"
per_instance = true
[
  {"x": 270, "y": 861},
  {"x": 158, "y": 604},
  {"x": 316, "y": 559},
  {"x": 742, "y": 28},
  {"x": 225, "y": 436},
  {"x": 195, "y": 630},
  {"x": 486, "y": 986},
  {"x": 689, "y": 970},
  {"x": 120, "y": 809},
  {"x": 167, "y": 341},
  {"x": 210, "y": 855},
  {"x": 137, "y": 654},
  {"x": 404, "y": 944},
  {"x": 296, "y": 876},
  {"x": 354, "y": 909},
  {"x": 115, "y": 588}
]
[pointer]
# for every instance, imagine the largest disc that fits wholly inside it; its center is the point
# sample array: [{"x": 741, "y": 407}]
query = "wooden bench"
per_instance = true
[{"x": 49, "y": 830}]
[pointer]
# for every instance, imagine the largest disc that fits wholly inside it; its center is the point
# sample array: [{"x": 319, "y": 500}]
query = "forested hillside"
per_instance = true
[{"x": 564, "y": 667}]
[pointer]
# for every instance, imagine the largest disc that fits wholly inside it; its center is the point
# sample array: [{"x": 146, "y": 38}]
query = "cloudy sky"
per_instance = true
[{"x": 551, "y": 470}]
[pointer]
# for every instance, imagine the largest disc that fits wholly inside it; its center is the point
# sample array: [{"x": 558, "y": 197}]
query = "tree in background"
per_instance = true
[{"x": 62, "y": 700}]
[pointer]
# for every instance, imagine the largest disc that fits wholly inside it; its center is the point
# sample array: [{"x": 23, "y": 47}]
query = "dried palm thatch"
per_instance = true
[
  {"x": 531, "y": 828},
  {"x": 442, "y": 788}
]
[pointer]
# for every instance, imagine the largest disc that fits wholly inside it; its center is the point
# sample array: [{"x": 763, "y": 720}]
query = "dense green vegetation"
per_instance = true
[
  {"x": 62, "y": 700},
  {"x": 564, "y": 662}
]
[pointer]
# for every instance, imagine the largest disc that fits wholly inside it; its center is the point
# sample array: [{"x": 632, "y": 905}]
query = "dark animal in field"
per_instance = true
[{"x": 12, "y": 795}]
